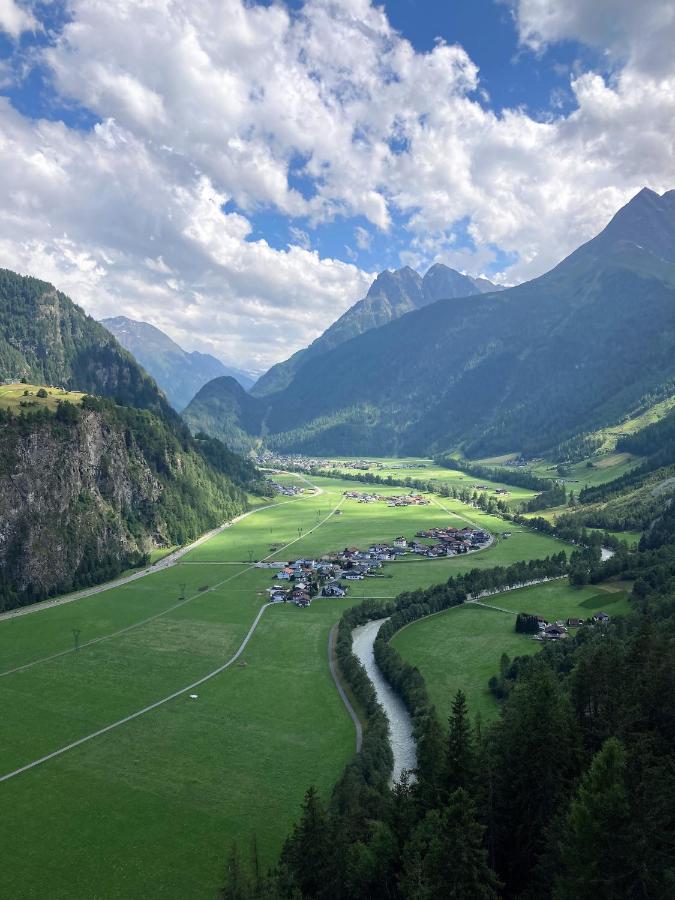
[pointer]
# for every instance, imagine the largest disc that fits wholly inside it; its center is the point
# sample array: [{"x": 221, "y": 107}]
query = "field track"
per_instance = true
[
  {"x": 180, "y": 691},
  {"x": 163, "y": 612},
  {"x": 332, "y": 664}
]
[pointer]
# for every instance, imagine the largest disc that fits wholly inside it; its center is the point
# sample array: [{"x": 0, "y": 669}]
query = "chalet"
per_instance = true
[
  {"x": 284, "y": 574},
  {"x": 601, "y": 617},
  {"x": 333, "y": 590},
  {"x": 501, "y": 491},
  {"x": 278, "y": 597},
  {"x": 555, "y": 632},
  {"x": 401, "y": 543},
  {"x": 575, "y": 623}
]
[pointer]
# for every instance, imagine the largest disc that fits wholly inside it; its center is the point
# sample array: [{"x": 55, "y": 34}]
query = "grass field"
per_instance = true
[
  {"x": 427, "y": 470},
  {"x": 150, "y": 807},
  {"x": 12, "y": 395},
  {"x": 605, "y": 467},
  {"x": 461, "y": 647}
]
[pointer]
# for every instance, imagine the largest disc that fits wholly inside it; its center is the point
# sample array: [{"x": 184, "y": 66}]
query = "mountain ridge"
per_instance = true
[
  {"x": 179, "y": 373},
  {"x": 391, "y": 295},
  {"x": 518, "y": 370}
]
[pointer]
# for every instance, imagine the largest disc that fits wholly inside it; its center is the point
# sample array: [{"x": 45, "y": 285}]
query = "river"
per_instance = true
[{"x": 400, "y": 723}]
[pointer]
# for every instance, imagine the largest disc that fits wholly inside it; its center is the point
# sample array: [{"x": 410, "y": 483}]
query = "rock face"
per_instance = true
[{"x": 67, "y": 502}]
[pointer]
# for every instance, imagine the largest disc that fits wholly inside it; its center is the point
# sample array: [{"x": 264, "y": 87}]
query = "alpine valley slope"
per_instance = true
[
  {"x": 48, "y": 339},
  {"x": 523, "y": 369},
  {"x": 391, "y": 295},
  {"x": 178, "y": 373}
]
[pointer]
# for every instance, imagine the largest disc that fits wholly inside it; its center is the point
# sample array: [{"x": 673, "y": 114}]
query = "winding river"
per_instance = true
[{"x": 400, "y": 723}]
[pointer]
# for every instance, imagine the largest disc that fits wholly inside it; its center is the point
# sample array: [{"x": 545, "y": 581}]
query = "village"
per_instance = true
[
  {"x": 302, "y": 580},
  {"x": 286, "y": 490},
  {"x": 390, "y": 500}
]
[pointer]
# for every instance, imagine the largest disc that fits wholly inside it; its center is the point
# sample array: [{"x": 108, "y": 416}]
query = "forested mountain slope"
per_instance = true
[
  {"x": 391, "y": 295},
  {"x": 523, "y": 369},
  {"x": 223, "y": 409},
  {"x": 47, "y": 339},
  {"x": 178, "y": 373}
]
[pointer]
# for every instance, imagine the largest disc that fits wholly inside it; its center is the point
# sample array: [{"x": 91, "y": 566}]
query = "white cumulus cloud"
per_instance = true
[
  {"x": 212, "y": 113},
  {"x": 14, "y": 18}
]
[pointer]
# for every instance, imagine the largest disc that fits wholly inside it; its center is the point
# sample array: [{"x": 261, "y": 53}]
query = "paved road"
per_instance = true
[
  {"x": 165, "y": 563},
  {"x": 332, "y": 663},
  {"x": 146, "y": 709}
]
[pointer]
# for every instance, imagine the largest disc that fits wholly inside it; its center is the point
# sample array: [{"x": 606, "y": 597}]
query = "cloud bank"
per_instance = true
[{"x": 210, "y": 114}]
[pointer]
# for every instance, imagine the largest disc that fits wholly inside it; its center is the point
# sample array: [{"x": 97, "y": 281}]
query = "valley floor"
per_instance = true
[{"x": 150, "y": 807}]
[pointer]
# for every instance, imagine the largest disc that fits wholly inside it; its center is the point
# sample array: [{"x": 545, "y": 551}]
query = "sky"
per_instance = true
[{"x": 236, "y": 173}]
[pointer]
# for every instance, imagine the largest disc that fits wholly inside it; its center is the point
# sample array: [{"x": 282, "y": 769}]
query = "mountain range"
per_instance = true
[
  {"x": 521, "y": 369},
  {"x": 391, "y": 295},
  {"x": 179, "y": 373}
]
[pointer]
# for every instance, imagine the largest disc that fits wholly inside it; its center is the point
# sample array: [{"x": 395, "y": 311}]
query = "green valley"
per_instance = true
[{"x": 257, "y": 732}]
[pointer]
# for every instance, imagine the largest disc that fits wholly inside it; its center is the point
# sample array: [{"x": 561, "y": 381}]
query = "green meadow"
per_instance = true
[
  {"x": 428, "y": 470},
  {"x": 150, "y": 807},
  {"x": 460, "y": 648},
  {"x": 13, "y": 395}
]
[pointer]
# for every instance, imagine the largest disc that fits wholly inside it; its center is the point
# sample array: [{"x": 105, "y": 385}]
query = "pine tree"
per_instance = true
[
  {"x": 460, "y": 754},
  {"x": 536, "y": 754},
  {"x": 306, "y": 856},
  {"x": 236, "y": 881},
  {"x": 445, "y": 858},
  {"x": 431, "y": 763},
  {"x": 595, "y": 850}
]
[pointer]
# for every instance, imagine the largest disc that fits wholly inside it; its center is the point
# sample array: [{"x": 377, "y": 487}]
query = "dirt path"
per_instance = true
[{"x": 332, "y": 664}]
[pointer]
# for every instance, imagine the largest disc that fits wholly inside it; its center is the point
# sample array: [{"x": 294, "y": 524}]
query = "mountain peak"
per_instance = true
[
  {"x": 647, "y": 221},
  {"x": 178, "y": 372}
]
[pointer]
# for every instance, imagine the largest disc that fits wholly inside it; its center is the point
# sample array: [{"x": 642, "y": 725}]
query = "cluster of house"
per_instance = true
[
  {"x": 557, "y": 631},
  {"x": 309, "y": 463},
  {"x": 391, "y": 500},
  {"x": 289, "y": 490},
  {"x": 304, "y": 578},
  {"x": 299, "y": 581},
  {"x": 450, "y": 541},
  {"x": 484, "y": 487}
]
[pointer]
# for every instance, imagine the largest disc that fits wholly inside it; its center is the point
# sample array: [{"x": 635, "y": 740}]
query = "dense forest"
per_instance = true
[{"x": 570, "y": 795}]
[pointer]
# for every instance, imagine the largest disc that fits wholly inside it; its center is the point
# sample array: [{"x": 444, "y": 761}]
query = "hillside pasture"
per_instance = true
[{"x": 12, "y": 396}]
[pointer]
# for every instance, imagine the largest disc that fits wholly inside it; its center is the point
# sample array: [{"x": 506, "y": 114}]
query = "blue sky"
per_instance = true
[{"x": 236, "y": 173}]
